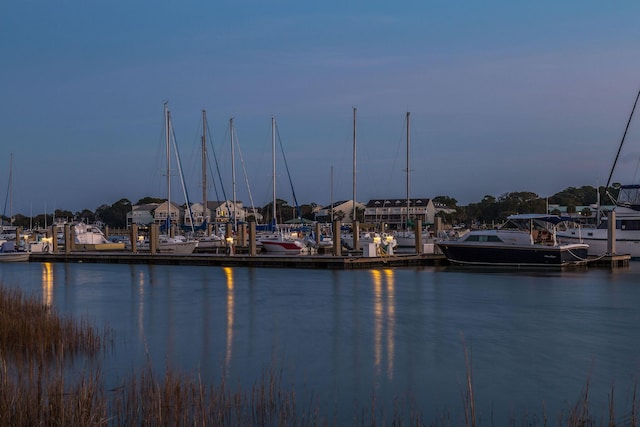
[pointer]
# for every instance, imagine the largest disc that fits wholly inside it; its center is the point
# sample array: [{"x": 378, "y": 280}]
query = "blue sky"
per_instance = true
[{"x": 504, "y": 96}]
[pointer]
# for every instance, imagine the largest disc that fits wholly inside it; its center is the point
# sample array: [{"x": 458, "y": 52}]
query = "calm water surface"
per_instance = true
[{"x": 341, "y": 337}]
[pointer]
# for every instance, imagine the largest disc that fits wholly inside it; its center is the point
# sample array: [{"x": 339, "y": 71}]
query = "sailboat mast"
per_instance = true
[
  {"x": 167, "y": 116},
  {"x": 331, "y": 183},
  {"x": 204, "y": 165},
  {"x": 353, "y": 218},
  {"x": 606, "y": 187},
  {"x": 408, "y": 169},
  {"x": 233, "y": 171},
  {"x": 11, "y": 190},
  {"x": 273, "y": 170}
]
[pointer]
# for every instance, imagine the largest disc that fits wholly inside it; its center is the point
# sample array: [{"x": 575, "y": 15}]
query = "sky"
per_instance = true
[{"x": 504, "y": 96}]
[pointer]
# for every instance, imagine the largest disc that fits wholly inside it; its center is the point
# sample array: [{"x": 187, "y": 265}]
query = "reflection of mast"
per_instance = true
[
  {"x": 391, "y": 321},
  {"x": 230, "y": 315},
  {"x": 378, "y": 314}
]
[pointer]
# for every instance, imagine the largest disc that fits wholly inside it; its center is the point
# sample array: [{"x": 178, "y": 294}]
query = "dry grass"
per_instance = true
[{"x": 30, "y": 332}]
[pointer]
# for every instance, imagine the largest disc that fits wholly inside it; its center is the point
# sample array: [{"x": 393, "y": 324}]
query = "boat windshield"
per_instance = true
[{"x": 482, "y": 238}]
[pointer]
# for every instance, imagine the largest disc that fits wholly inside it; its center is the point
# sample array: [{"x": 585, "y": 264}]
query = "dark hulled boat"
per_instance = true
[{"x": 523, "y": 241}]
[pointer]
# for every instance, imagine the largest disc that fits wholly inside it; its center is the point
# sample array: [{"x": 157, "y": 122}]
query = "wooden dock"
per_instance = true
[
  {"x": 326, "y": 262},
  {"x": 349, "y": 261},
  {"x": 610, "y": 261}
]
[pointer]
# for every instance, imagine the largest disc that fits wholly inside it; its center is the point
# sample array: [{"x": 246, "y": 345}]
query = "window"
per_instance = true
[{"x": 482, "y": 238}]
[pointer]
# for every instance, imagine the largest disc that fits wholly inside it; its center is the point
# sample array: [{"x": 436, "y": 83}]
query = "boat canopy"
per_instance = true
[
  {"x": 553, "y": 219},
  {"x": 629, "y": 196}
]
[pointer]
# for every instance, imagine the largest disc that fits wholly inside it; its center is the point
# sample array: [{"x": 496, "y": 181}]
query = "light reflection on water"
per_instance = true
[
  {"x": 229, "y": 273},
  {"x": 341, "y": 336}
]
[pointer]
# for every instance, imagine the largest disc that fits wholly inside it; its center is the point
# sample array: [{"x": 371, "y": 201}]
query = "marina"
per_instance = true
[{"x": 328, "y": 262}]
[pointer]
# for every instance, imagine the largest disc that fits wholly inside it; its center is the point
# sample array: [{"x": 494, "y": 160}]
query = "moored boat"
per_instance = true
[
  {"x": 90, "y": 237},
  {"x": 284, "y": 246},
  {"x": 627, "y": 209},
  {"x": 9, "y": 252},
  {"x": 527, "y": 240}
]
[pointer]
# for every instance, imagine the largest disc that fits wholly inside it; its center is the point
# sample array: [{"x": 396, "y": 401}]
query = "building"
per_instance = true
[
  {"x": 393, "y": 212},
  {"x": 342, "y": 211},
  {"x": 165, "y": 210},
  {"x": 225, "y": 211},
  {"x": 141, "y": 215},
  {"x": 198, "y": 214}
]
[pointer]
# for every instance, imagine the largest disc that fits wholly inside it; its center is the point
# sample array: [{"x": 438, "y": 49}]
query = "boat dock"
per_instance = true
[
  {"x": 327, "y": 262},
  {"x": 351, "y": 261},
  {"x": 610, "y": 261}
]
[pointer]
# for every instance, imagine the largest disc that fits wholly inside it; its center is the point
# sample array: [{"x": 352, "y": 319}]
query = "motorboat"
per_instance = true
[
  {"x": 285, "y": 243},
  {"x": 525, "y": 240},
  {"x": 91, "y": 237}
]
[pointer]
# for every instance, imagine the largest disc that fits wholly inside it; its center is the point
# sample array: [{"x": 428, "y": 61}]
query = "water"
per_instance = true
[{"x": 341, "y": 337}]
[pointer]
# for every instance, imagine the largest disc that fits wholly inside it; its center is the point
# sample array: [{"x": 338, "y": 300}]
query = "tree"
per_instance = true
[
  {"x": 149, "y": 200},
  {"x": 116, "y": 214},
  {"x": 282, "y": 210},
  {"x": 86, "y": 216},
  {"x": 65, "y": 215},
  {"x": 447, "y": 201}
]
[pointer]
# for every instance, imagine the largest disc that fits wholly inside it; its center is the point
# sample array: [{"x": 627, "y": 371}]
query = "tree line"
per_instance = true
[{"x": 490, "y": 209}]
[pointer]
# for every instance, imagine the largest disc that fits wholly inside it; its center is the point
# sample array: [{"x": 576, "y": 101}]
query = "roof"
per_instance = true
[{"x": 380, "y": 203}]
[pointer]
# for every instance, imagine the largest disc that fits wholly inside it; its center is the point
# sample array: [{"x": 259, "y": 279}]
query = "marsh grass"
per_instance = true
[
  {"x": 37, "y": 387},
  {"x": 30, "y": 332}
]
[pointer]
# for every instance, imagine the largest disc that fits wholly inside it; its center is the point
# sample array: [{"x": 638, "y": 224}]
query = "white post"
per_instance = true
[{"x": 611, "y": 235}]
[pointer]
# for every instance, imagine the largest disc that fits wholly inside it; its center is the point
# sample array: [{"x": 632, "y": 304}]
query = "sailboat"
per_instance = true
[
  {"x": 627, "y": 210},
  {"x": 280, "y": 241},
  {"x": 168, "y": 243},
  {"x": 10, "y": 249},
  {"x": 405, "y": 238},
  {"x": 384, "y": 241}
]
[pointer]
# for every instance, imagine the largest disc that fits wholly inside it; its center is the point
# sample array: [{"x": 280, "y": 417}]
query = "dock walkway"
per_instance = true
[{"x": 327, "y": 262}]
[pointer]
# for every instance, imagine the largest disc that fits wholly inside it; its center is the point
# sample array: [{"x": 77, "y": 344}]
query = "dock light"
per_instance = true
[{"x": 229, "y": 241}]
